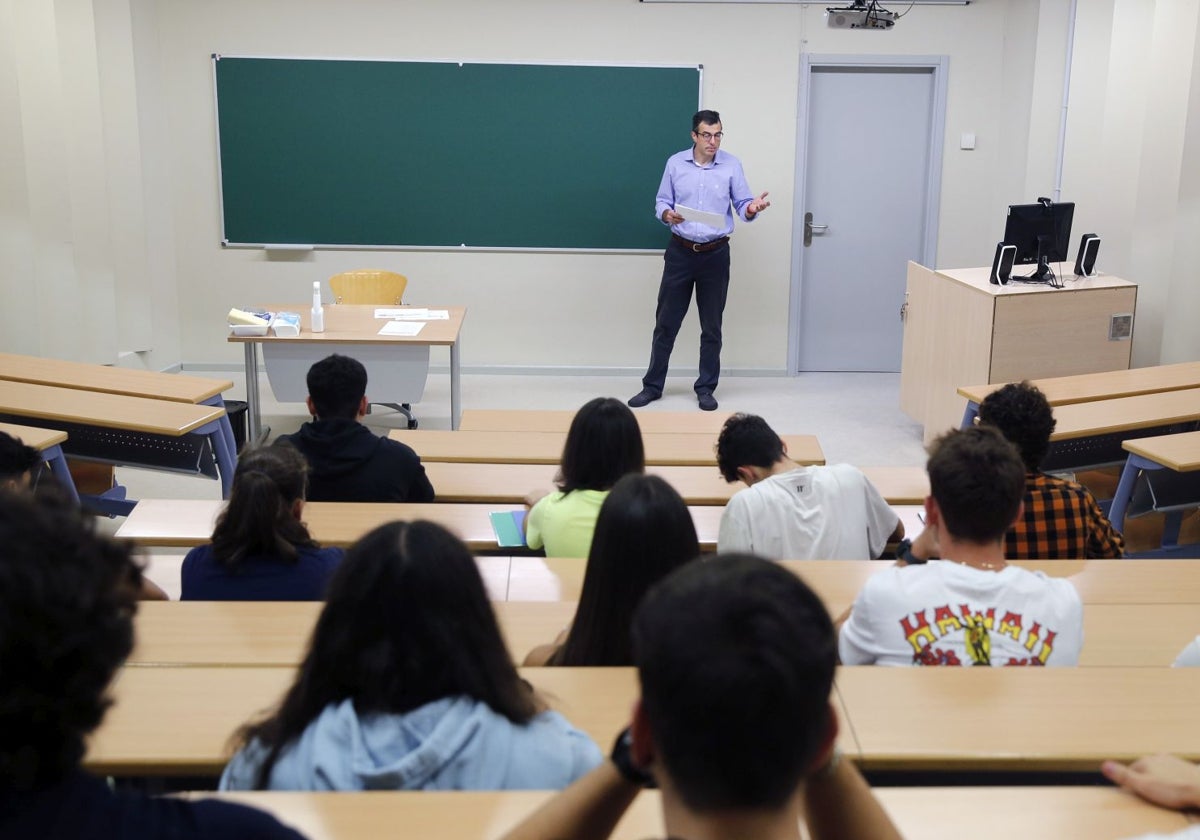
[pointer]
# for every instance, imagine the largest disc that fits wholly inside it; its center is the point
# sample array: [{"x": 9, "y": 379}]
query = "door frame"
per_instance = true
[{"x": 939, "y": 66}]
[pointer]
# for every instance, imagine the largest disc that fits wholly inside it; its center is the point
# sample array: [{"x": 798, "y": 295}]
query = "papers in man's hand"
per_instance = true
[
  {"x": 715, "y": 220},
  {"x": 409, "y": 313},
  {"x": 405, "y": 328}
]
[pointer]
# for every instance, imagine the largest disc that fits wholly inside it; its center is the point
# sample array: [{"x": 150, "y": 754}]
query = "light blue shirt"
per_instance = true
[{"x": 718, "y": 187}]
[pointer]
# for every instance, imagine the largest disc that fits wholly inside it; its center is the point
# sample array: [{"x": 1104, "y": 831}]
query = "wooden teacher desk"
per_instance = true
[
  {"x": 930, "y": 813},
  {"x": 183, "y": 523},
  {"x": 662, "y": 449},
  {"x": 352, "y": 330},
  {"x": 960, "y": 328}
]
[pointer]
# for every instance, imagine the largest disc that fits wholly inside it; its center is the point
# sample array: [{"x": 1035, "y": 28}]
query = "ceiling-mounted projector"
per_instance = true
[{"x": 860, "y": 15}]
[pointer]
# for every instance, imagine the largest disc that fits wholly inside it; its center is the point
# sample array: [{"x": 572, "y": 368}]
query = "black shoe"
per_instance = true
[
  {"x": 644, "y": 397},
  {"x": 707, "y": 401}
]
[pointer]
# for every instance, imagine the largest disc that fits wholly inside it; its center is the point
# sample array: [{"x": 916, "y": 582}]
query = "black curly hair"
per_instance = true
[
  {"x": 67, "y": 599},
  {"x": 1023, "y": 415}
]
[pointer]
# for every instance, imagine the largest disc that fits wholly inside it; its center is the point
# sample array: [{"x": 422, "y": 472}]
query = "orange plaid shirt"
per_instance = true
[{"x": 1061, "y": 522}]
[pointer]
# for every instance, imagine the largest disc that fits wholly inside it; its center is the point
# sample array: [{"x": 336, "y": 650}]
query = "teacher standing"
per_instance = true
[{"x": 708, "y": 179}]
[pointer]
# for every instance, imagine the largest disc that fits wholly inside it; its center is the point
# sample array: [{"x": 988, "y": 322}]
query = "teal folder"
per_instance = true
[{"x": 508, "y": 525}]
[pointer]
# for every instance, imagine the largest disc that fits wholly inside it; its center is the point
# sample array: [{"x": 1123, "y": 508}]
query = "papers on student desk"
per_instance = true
[
  {"x": 406, "y": 328},
  {"x": 715, "y": 220},
  {"x": 410, "y": 313}
]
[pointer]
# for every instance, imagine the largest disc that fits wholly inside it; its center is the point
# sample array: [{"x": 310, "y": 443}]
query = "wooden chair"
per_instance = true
[
  {"x": 376, "y": 287},
  {"x": 368, "y": 285}
]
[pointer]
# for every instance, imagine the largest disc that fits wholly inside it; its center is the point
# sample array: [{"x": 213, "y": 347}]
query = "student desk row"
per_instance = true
[
  {"x": 216, "y": 633},
  {"x": 173, "y": 721},
  {"x": 1179, "y": 453},
  {"x": 532, "y": 420},
  {"x": 189, "y": 522},
  {"x": 526, "y": 447},
  {"x": 930, "y": 813},
  {"x": 48, "y": 443},
  {"x": 510, "y": 483}
]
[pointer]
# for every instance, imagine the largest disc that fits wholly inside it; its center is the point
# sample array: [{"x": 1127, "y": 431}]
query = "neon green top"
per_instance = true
[{"x": 564, "y": 523}]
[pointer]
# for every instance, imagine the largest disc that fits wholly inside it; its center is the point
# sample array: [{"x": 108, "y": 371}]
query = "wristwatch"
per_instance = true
[
  {"x": 904, "y": 552},
  {"x": 624, "y": 762}
]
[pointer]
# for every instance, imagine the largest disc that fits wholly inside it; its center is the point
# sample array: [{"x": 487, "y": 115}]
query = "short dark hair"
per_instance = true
[
  {"x": 16, "y": 458},
  {"x": 1023, "y": 415},
  {"x": 67, "y": 599},
  {"x": 746, "y": 441},
  {"x": 706, "y": 117},
  {"x": 337, "y": 385},
  {"x": 259, "y": 519},
  {"x": 736, "y": 658},
  {"x": 406, "y": 622},
  {"x": 603, "y": 444},
  {"x": 978, "y": 481},
  {"x": 644, "y": 532}
]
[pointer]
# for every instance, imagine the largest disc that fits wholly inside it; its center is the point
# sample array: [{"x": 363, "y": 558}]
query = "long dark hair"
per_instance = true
[
  {"x": 406, "y": 621},
  {"x": 603, "y": 444},
  {"x": 643, "y": 533},
  {"x": 259, "y": 518}
]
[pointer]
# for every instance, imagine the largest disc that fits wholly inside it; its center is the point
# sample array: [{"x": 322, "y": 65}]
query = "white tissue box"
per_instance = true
[{"x": 286, "y": 324}]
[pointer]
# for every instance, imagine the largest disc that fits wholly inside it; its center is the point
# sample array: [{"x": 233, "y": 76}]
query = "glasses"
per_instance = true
[{"x": 708, "y": 135}]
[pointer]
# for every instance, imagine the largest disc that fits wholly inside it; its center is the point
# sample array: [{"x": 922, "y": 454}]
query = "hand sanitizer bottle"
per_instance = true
[{"x": 318, "y": 314}]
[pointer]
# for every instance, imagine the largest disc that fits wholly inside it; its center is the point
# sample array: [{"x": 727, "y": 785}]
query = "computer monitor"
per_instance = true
[{"x": 1041, "y": 232}]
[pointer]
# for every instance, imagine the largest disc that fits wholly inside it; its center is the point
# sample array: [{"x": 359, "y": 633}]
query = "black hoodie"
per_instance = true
[{"x": 350, "y": 463}]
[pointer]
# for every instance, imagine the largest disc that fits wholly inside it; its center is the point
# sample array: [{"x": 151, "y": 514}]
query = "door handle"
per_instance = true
[{"x": 810, "y": 229}]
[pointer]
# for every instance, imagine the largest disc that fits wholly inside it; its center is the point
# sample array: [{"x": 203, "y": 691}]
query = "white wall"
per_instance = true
[{"x": 108, "y": 187}]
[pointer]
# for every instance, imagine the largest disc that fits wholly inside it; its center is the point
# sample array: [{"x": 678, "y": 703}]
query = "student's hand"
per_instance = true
[
  {"x": 671, "y": 217},
  {"x": 534, "y": 496},
  {"x": 756, "y": 206},
  {"x": 1162, "y": 779},
  {"x": 926, "y": 544}
]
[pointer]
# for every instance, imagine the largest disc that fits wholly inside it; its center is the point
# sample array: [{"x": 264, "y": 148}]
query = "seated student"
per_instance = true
[
  {"x": 1061, "y": 520},
  {"x": 66, "y": 625},
  {"x": 17, "y": 463},
  {"x": 347, "y": 461},
  {"x": 407, "y": 685},
  {"x": 790, "y": 512},
  {"x": 18, "y": 466},
  {"x": 260, "y": 549},
  {"x": 603, "y": 444},
  {"x": 735, "y": 657},
  {"x": 971, "y": 607},
  {"x": 644, "y": 532}
]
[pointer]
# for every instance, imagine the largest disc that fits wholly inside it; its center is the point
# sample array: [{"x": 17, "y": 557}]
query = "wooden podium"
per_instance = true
[{"x": 959, "y": 329}]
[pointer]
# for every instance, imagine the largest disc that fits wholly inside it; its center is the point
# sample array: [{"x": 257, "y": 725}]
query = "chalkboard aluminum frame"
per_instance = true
[{"x": 333, "y": 246}]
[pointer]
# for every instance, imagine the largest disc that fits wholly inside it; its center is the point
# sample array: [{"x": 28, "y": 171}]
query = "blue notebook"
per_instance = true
[{"x": 509, "y": 528}]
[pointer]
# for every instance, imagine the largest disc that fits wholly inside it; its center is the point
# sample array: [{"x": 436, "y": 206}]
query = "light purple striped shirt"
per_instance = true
[{"x": 719, "y": 187}]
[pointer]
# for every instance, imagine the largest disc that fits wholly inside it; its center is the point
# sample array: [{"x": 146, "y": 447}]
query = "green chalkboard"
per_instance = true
[{"x": 443, "y": 154}]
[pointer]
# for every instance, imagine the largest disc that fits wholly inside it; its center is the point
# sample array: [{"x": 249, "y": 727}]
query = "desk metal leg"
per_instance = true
[
  {"x": 969, "y": 414},
  {"x": 253, "y": 406},
  {"x": 1134, "y": 465},
  {"x": 455, "y": 385},
  {"x": 53, "y": 455},
  {"x": 224, "y": 450},
  {"x": 226, "y": 425}
]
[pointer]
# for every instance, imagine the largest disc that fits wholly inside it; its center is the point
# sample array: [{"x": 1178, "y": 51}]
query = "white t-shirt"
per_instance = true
[
  {"x": 945, "y": 613},
  {"x": 825, "y": 513},
  {"x": 1189, "y": 657}
]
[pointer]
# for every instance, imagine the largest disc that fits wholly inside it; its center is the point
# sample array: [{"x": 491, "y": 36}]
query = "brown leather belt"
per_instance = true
[{"x": 700, "y": 247}]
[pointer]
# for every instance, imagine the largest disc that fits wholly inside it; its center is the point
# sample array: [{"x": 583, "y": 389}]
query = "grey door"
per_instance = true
[{"x": 868, "y": 152}]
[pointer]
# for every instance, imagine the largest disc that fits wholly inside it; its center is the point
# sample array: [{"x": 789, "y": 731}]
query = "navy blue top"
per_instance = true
[
  {"x": 81, "y": 807},
  {"x": 258, "y": 578}
]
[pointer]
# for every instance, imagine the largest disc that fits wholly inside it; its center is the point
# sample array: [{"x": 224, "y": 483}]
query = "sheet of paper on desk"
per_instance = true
[
  {"x": 406, "y": 328},
  {"x": 411, "y": 314},
  {"x": 715, "y": 220}
]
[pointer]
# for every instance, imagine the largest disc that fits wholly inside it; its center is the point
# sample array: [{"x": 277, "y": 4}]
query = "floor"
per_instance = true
[{"x": 855, "y": 416}]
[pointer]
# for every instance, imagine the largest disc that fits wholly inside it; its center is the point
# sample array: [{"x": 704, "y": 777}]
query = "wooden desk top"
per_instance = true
[
  {"x": 930, "y": 813},
  {"x": 111, "y": 411},
  {"x": 110, "y": 380},
  {"x": 1126, "y": 413},
  {"x": 519, "y": 420},
  {"x": 39, "y": 439},
  {"x": 1060, "y": 719},
  {"x": 1085, "y": 387},
  {"x": 1179, "y": 452},
  {"x": 509, "y": 483},
  {"x": 354, "y": 323},
  {"x": 977, "y": 278},
  {"x": 1137, "y": 635},
  {"x": 176, "y": 522},
  {"x": 174, "y": 721},
  {"x": 547, "y": 447}
]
